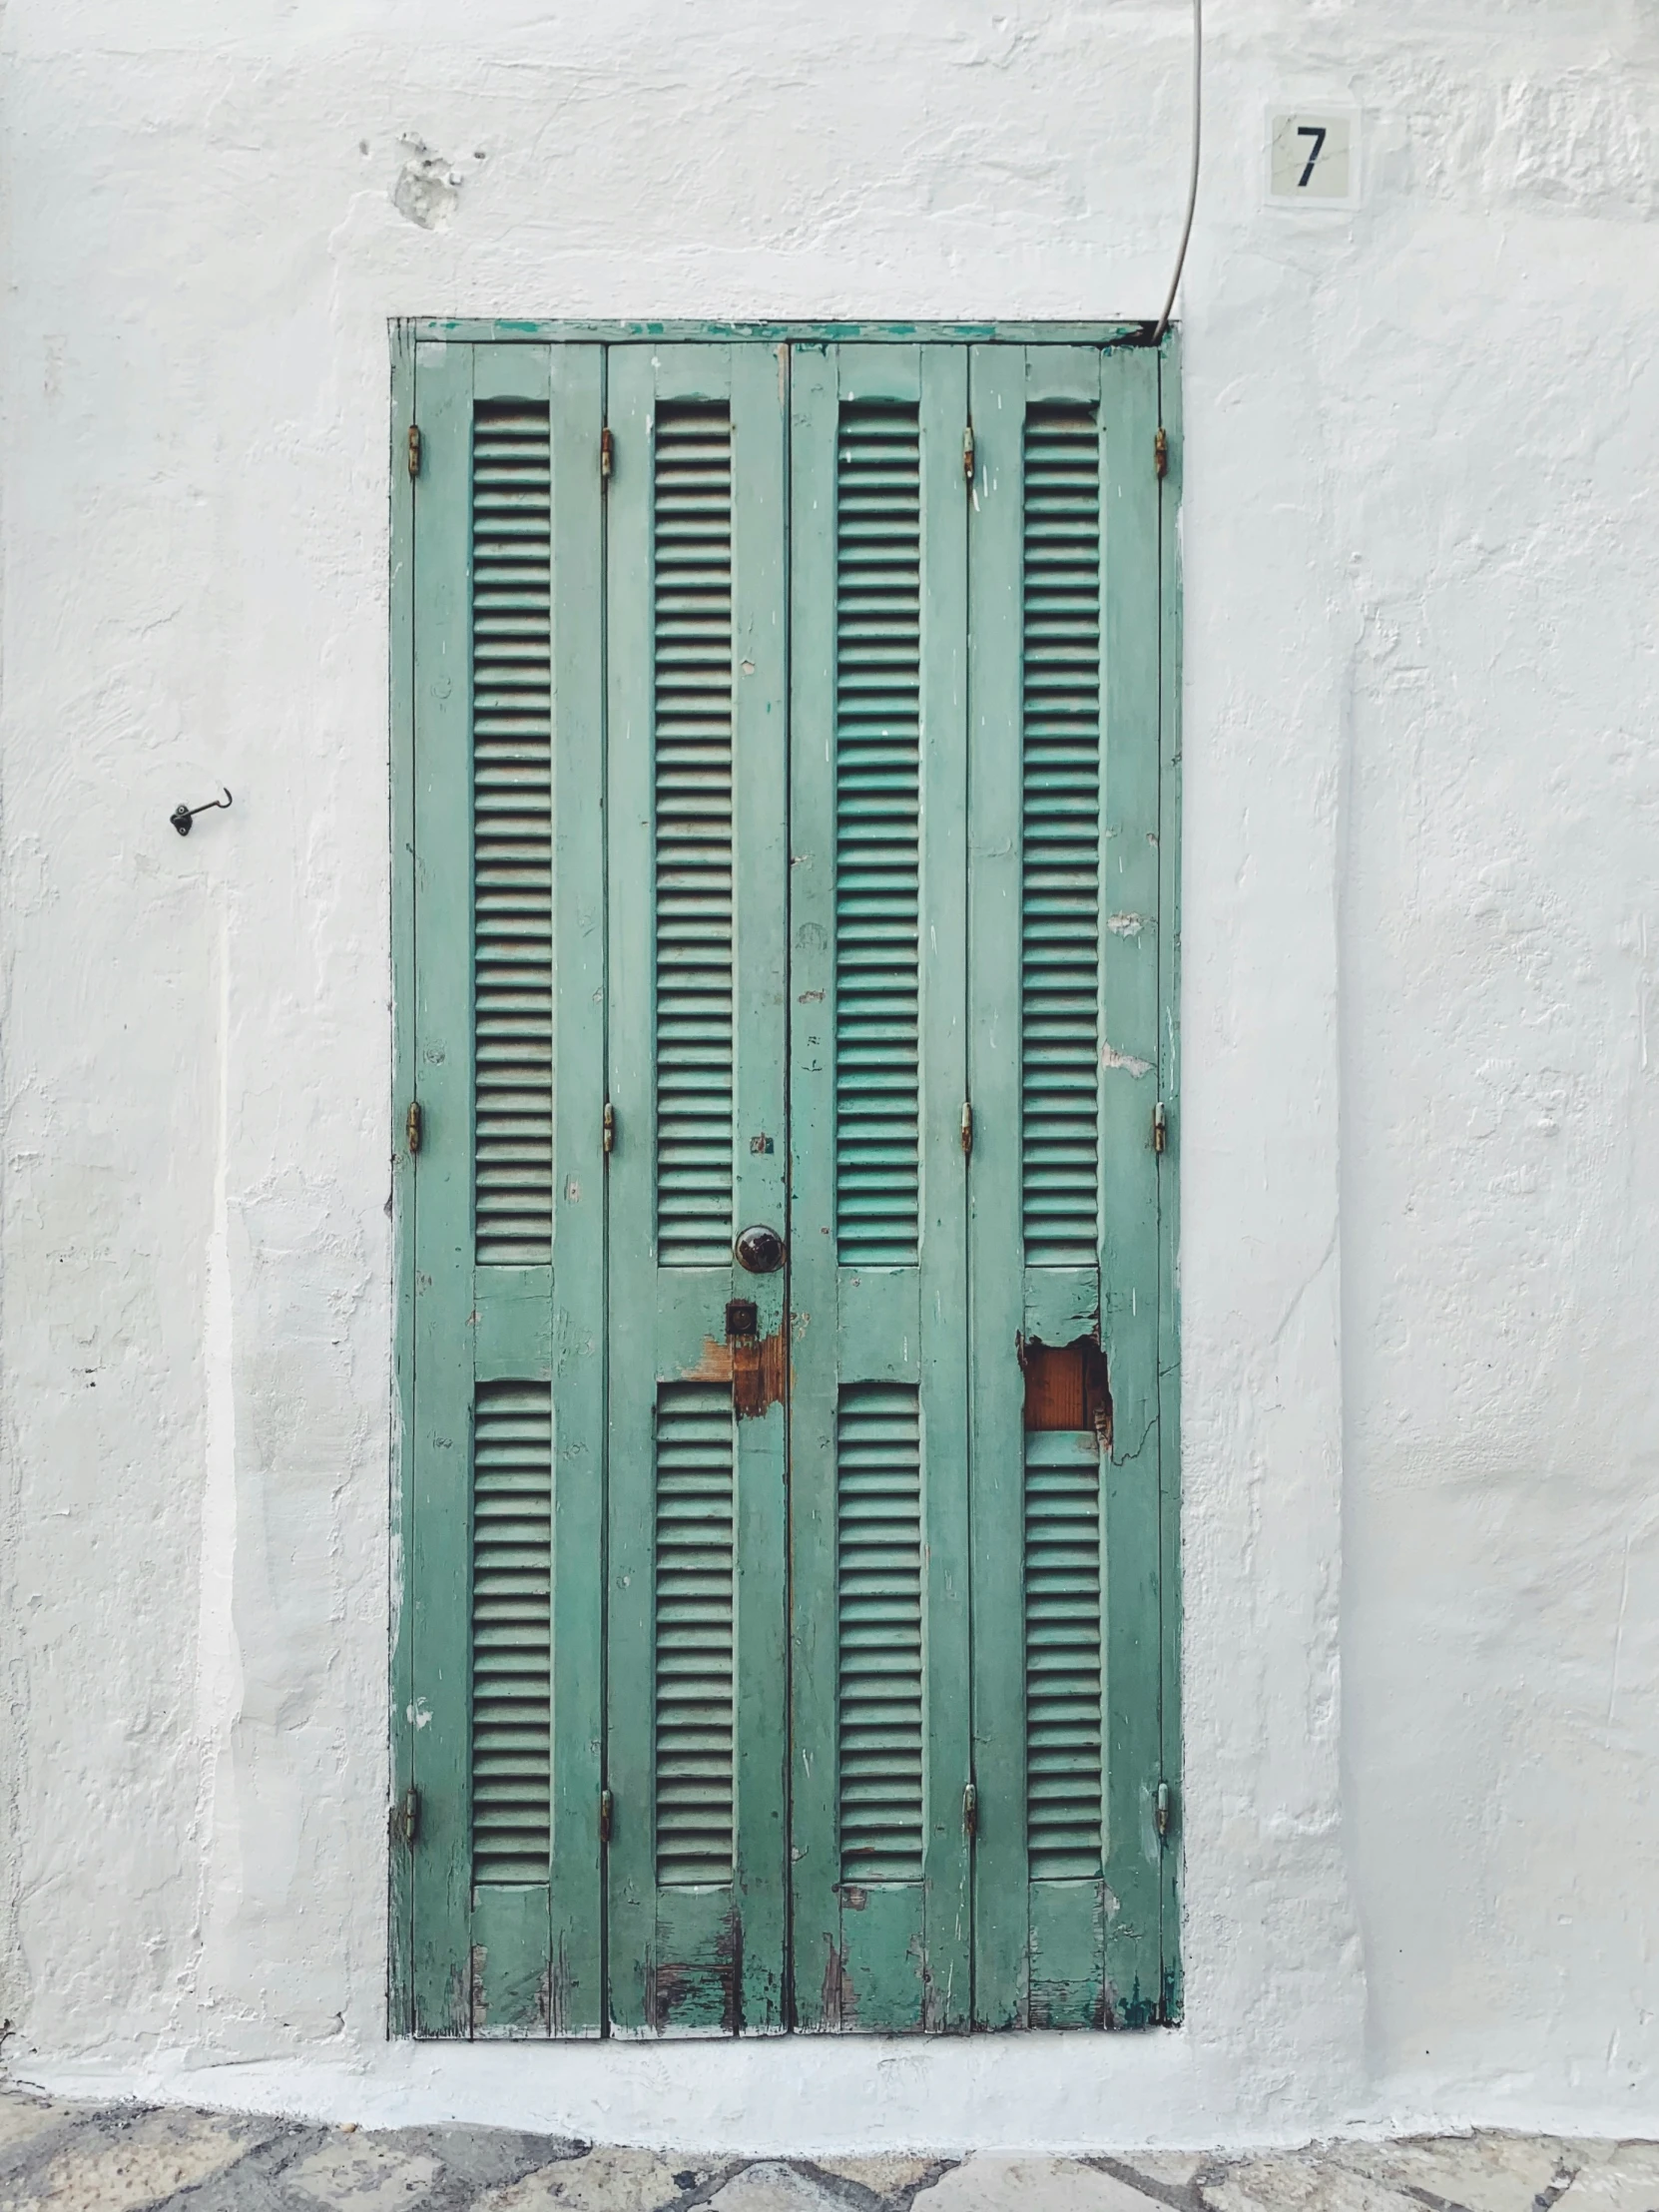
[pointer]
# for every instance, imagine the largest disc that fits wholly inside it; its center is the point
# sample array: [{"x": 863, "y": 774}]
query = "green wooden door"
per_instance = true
[
  {"x": 503, "y": 1748},
  {"x": 1064, "y": 1058},
  {"x": 785, "y": 1646}
]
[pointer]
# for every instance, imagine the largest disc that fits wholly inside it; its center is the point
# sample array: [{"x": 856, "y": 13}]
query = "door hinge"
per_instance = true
[
  {"x": 607, "y": 454},
  {"x": 1160, "y": 451},
  {"x": 1160, "y": 1127},
  {"x": 605, "y": 1806},
  {"x": 412, "y": 1125},
  {"x": 967, "y": 456},
  {"x": 607, "y": 1128},
  {"x": 1163, "y": 1809},
  {"x": 970, "y": 1810},
  {"x": 967, "y": 1127},
  {"x": 415, "y": 451},
  {"x": 405, "y": 1818}
]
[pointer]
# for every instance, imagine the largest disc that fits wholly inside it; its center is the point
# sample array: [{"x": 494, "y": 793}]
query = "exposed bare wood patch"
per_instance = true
[
  {"x": 1067, "y": 1386},
  {"x": 841, "y": 2005}
]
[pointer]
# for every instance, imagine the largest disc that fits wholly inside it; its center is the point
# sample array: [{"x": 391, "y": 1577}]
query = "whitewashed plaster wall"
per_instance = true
[{"x": 1420, "y": 1126}]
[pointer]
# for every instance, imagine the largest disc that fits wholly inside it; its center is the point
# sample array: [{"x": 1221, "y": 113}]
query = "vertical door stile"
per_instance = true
[
  {"x": 400, "y": 1926},
  {"x": 1132, "y": 1055},
  {"x": 820, "y": 1985},
  {"x": 1001, "y": 1921},
  {"x": 761, "y": 939},
  {"x": 1168, "y": 1175},
  {"x": 439, "y": 1566},
  {"x": 576, "y": 1994},
  {"x": 947, "y": 1597},
  {"x": 630, "y": 816}
]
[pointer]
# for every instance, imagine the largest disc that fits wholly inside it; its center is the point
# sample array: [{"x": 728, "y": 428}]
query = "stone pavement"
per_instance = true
[{"x": 140, "y": 2159}]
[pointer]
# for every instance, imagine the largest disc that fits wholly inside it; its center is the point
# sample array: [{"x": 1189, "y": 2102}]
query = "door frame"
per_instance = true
[{"x": 405, "y": 335}]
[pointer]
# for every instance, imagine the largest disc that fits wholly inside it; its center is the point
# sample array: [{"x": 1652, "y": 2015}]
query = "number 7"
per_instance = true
[{"x": 1314, "y": 131}]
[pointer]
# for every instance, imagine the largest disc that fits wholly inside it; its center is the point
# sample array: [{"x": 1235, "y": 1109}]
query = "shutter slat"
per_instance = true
[
  {"x": 512, "y": 834},
  {"x": 879, "y": 1631},
  {"x": 877, "y": 826},
  {"x": 693, "y": 1595},
  {"x": 512, "y": 1563},
  {"x": 1060, "y": 894},
  {"x": 692, "y": 646},
  {"x": 1063, "y": 1773}
]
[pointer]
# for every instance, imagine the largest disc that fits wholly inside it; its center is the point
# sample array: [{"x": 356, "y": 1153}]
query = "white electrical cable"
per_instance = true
[{"x": 1192, "y": 183}]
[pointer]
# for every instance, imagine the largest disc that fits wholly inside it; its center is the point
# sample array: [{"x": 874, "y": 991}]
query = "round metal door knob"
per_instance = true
[{"x": 761, "y": 1251}]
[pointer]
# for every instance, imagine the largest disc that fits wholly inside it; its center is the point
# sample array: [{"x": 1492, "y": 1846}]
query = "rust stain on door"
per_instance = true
[{"x": 758, "y": 1369}]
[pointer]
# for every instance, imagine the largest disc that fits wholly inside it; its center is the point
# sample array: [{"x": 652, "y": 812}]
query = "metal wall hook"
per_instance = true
[{"x": 181, "y": 815}]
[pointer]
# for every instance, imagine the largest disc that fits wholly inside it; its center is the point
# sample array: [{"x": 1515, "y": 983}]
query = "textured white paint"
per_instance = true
[{"x": 1418, "y": 1132}]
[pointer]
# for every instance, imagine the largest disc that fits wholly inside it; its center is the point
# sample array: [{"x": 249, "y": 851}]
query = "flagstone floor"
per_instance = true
[{"x": 135, "y": 2158}]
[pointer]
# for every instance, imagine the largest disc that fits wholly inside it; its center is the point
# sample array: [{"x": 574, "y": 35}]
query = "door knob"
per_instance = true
[{"x": 761, "y": 1251}]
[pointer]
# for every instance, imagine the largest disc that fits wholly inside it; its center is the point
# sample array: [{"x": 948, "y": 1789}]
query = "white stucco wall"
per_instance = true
[{"x": 1421, "y": 1118}]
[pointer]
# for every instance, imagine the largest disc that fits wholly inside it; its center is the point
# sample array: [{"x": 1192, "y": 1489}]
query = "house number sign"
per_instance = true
[{"x": 1312, "y": 157}]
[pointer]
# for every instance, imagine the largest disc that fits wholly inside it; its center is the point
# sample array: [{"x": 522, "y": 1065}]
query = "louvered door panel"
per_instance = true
[
  {"x": 502, "y": 1735},
  {"x": 695, "y": 1569},
  {"x": 1063, "y": 1774},
  {"x": 877, "y": 832},
  {"x": 878, "y": 1460},
  {"x": 698, "y": 871},
  {"x": 1063, "y": 959},
  {"x": 879, "y": 1632},
  {"x": 692, "y": 675},
  {"x": 1060, "y": 840},
  {"x": 512, "y": 1678},
  {"x": 512, "y": 832}
]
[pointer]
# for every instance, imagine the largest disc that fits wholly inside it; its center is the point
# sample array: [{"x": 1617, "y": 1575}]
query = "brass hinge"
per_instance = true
[
  {"x": 967, "y": 1127},
  {"x": 415, "y": 451},
  {"x": 1163, "y": 1809},
  {"x": 605, "y": 1804},
  {"x": 607, "y": 1128},
  {"x": 607, "y": 454},
  {"x": 1160, "y": 1127},
  {"x": 967, "y": 456},
  {"x": 1160, "y": 451},
  {"x": 970, "y": 1810},
  {"x": 405, "y": 1818},
  {"x": 412, "y": 1125}
]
